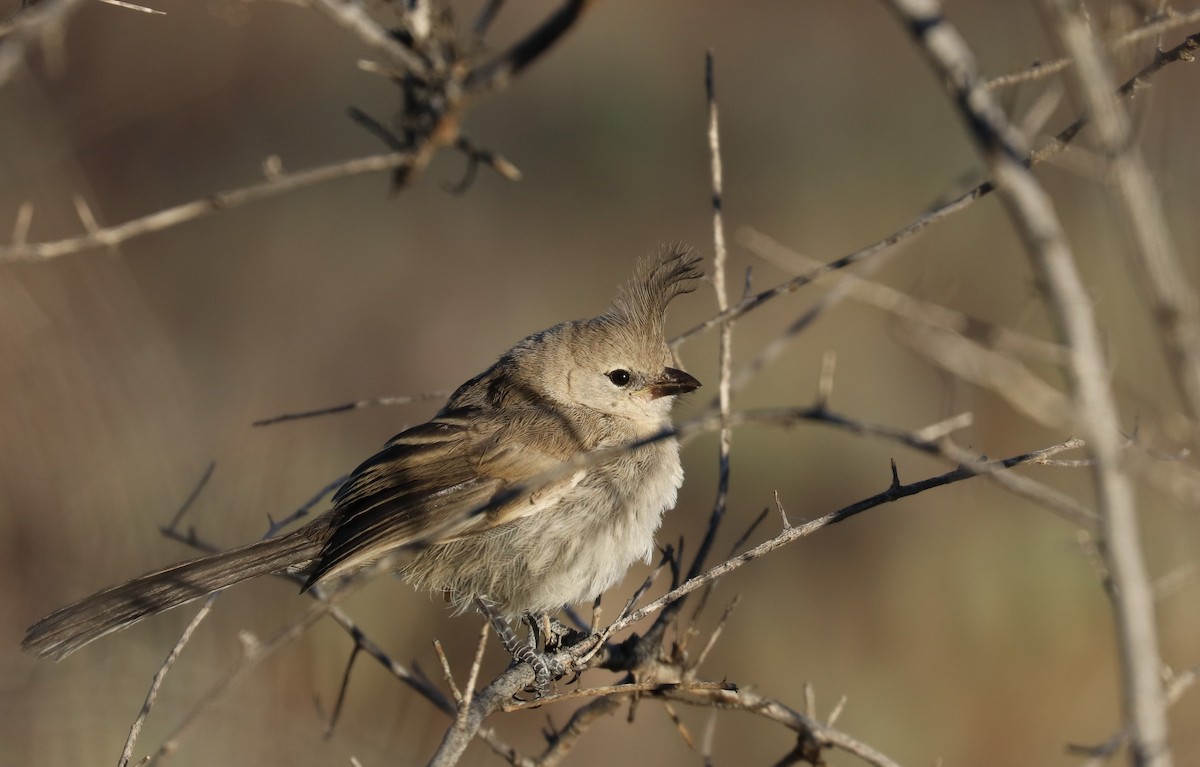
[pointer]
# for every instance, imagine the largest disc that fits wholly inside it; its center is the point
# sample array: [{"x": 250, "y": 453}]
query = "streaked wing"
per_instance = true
[{"x": 424, "y": 485}]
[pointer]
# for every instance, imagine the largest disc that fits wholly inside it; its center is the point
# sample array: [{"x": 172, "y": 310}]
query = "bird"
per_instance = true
[{"x": 455, "y": 501}]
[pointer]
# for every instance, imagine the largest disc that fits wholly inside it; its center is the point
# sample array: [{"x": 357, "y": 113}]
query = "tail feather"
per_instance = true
[{"x": 66, "y": 630}]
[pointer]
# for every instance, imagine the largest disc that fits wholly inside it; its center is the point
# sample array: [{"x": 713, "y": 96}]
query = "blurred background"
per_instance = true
[{"x": 965, "y": 625}]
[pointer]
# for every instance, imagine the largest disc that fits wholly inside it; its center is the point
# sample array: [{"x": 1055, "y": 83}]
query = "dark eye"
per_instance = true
[{"x": 619, "y": 377}]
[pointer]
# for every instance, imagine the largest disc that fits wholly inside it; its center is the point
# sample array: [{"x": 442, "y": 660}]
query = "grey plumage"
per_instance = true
[{"x": 573, "y": 388}]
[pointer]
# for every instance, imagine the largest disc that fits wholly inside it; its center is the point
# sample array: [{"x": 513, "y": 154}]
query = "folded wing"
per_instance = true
[{"x": 456, "y": 475}]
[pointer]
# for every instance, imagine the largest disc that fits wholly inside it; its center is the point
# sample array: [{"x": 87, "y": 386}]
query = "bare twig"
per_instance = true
[
  {"x": 497, "y": 694},
  {"x": 133, "y": 7},
  {"x": 476, "y": 664},
  {"x": 796, "y": 531},
  {"x": 1056, "y": 501},
  {"x": 725, "y": 351},
  {"x": 1174, "y": 580},
  {"x": 723, "y": 413},
  {"x": 702, "y": 424},
  {"x": 716, "y": 633},
  {"x": 336, "y": 714},
  {"x": 680, "y": 727},
  {"x": 741, "y": 541},
  {"x": 159, "y": 676},
  {"x": 1032, "y": 213},
  {"x": 836, "y": 713},
  {"x": 984, "y": 354},
  {"x": 1179, "y": 684},
  {"x": 1039, "y": 70},
  {"x": 497, "y": 72},
  {"x": 834, "y": 296},
  {"x": 820, "y": 735},
  {"x": 191, "y": 499},
  {"x": 1023, "y": 389},
  {"x": 354, "y": 17},
  {"x": 23, "y": 222},
  {"x": 970, "y": 466},
  {"x": 477, "y": 156},
  {"x": 254, "y": 652},
  {"x": 331, "y": 410},
  {"x": 42, "y": 24},
  {"x": 1181, "y": 52},
  {"x": 418, "y": 683},
  {"x": 487, "y": 15},
  {"x": 615, "y": 689},
  {"x": 435, "y": 102},
  {"x": 307, "y": 507},
  {"x": 565, "y": 738},
  {"x": 492, "y": 697},
  {"x": 136, "y": 728},
  {"x": 1164, "y": 283},
  {"x": 1061, "y": 140},
  {"x": 447, "y": 674},
  {"x": 904, "y": 306},
  {"x": 782, "y": 511},
  {"x": 190, "y": 211},
  {"x": 361, "y": 640}
]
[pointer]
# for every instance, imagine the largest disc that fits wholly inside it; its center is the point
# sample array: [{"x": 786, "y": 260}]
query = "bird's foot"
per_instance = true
[{"x": 521, "y": 651}]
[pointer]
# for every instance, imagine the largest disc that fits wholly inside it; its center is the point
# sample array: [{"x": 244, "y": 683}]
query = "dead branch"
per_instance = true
[
  {"x": 438, "y": 84},
  {"x": 1164, "y": 283},
  {"x": 632, "y": 655},
  {"x": 1032, "y": 213}
]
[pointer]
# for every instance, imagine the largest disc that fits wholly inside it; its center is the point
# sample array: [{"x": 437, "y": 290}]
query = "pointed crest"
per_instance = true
[{"x": 642, "y": 302}]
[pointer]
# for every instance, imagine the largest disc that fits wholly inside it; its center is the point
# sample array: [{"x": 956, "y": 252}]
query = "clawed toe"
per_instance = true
[
  {"x": 524, "y": 652},
  {"x": 543, "y": 678}
]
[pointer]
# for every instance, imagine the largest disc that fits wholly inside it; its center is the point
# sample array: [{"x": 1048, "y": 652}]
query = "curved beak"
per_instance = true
[{"x": 672, "y": 382}]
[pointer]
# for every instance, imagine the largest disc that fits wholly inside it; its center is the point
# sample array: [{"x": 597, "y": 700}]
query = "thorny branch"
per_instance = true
[
  {"x": 632, "y": 654},
  {"x": 640, "y": 654},
  {"x": 1033, "y": 215},
  {"x": 661, "y": 676},
  {"x": 1061, "y": 140}
]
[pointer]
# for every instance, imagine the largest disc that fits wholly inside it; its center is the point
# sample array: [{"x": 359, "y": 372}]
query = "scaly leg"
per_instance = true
[{"x": 523, "y": 652}]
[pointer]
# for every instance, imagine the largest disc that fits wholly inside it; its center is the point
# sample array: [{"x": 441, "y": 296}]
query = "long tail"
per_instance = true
[{"x": 64, "y": 631}]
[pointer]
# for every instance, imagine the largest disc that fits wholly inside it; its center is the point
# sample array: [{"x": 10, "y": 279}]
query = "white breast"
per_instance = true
[
  {"x": 578, "y": 540},
  {"x": 605, "y": 525}
]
